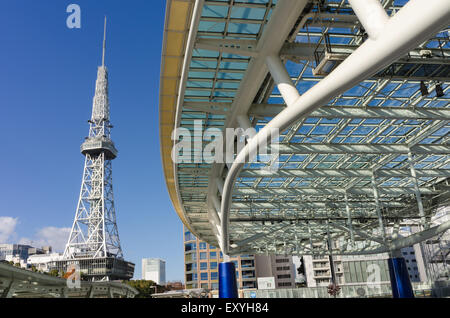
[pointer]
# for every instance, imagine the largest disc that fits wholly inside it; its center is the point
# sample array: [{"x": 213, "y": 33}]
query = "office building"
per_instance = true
[
  {"x": 202, "y": 265},
  {"x": 280, "y": 267},
  {"x": 154, "y": 269}
]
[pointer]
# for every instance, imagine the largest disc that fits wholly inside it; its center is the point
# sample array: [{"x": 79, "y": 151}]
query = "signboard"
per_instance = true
[{"x": 266, "y": 282}]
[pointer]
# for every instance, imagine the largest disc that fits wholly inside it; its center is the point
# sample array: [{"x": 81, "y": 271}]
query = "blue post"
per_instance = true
[
  {"x": 400, "y": 283},
  {"x": 227, "y": 280}
]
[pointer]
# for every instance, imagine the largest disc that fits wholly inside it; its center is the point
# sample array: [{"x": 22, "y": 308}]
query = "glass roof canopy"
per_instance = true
[{"x": 339, "y": 168}]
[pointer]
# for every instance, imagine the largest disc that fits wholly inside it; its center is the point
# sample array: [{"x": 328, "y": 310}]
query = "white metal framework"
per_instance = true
[
  {"x": 94, "y": 233},
  {"x": 359, "y": 91}
]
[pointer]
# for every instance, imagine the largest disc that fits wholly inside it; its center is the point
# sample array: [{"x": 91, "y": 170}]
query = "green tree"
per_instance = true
[
  {"x": 54, "y": 272},
  {"x": 145, "y": 287}
]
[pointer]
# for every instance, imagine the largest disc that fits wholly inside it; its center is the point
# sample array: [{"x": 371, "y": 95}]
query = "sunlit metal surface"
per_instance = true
[{"x": 369, "y": 152}]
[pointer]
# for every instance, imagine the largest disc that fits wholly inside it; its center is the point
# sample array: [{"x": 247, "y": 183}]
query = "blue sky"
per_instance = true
[{"x": 47, "y": 80}]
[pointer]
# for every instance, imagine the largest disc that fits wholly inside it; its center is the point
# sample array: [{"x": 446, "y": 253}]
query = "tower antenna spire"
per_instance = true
[{"x": 104, "y": 44}]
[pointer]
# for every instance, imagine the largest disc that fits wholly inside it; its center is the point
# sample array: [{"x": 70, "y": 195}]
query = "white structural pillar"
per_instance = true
[
  {"x": 281, "y": 77},
  {"x": 371, "y": 14},
  {"x": 417, "y": 191},
  {"x": 349, "y": 219},
  {"x": 378, "y": 207}
]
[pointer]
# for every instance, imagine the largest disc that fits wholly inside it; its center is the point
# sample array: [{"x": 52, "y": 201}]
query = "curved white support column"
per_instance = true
[
  {"x": 417, "y": 21},
  {"x": 371, "y": 14},
  {"x": 281, "y": 77}
]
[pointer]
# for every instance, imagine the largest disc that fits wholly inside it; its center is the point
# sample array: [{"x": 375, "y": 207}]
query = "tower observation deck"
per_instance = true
[{"x": 94, "y": 244}]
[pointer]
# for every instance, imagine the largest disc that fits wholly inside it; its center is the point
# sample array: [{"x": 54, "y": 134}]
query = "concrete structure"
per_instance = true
[
  {"x": 280, "y": 267},
  {"x": 10, "y": 251},
  {"x": 93, "y": 244},
  {"x": 43, "y": 262},
  {"x": 20, "y": 283},
  {"x": 154, "y": 269},
  {"x": 27, "y": 256}
]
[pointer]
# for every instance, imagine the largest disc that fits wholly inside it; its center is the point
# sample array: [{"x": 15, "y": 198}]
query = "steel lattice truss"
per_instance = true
[
  {"x": 370, "y": 151},
  {"x": 94, "y": 232}
]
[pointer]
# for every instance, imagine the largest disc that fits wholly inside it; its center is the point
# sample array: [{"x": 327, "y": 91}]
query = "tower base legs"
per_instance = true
[
  {"x": 400, "y": 283},
  {"x": 227, "y": 280}
]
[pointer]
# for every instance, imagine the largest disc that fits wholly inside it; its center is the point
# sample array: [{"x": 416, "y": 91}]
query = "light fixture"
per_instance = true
[
  {"x": 423, "y": 89},
  {"x": 439, "y": 90}
]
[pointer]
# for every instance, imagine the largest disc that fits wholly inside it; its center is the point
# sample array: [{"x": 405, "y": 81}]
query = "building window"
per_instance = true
[
  {"x": 202, "y": 245},
  {"x": 282, "y": 260},
  {"x": 203, "y": 276},
  {"x": 203, "y": 255},
  {"x": 284, "y": 276},
  {"x": 190, "y": 247},
  {"x": 285, "y": 284},
  {"x": 213, "y": 255},
  {"x": 247, "y": 263},
  {"x": 214, "y": 275},
  {"x": 203, "y": 265},
  {"x": 213, "y": 265},
  {"x": 188, "y": 236}
]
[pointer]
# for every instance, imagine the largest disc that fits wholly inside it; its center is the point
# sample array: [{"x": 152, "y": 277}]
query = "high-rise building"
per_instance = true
[
  {"x": 348, "y": 269},
  {"x": 280, "y": 267},
  {"x": 94, "y": 244},
  {"x": 10, "y": 251},
  {"x": 202, "y": 265},
  {"x": 154, "y": 269}
]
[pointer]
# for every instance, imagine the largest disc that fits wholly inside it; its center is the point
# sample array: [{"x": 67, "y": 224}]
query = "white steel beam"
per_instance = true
[
  {"x": 302, "y": 148},
  {"x": 372, "y": 16},
  {"x": 393, "y": 191},
  {"x": 271, "y": 110},
  {"x": 342, "y": 173},
  {"x": 416, "y": 113}
]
